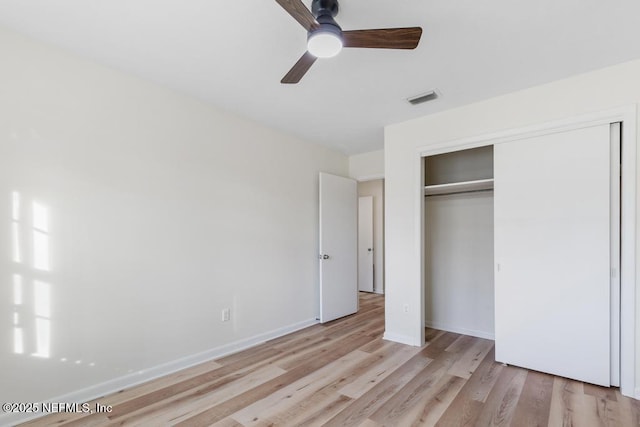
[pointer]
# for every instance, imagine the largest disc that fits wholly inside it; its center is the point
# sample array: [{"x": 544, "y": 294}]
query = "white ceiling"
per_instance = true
[{"x": 234, "y": 53}]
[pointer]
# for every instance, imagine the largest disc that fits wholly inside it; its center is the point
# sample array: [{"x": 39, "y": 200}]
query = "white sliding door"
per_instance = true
[{"x": 552, "y": 253}]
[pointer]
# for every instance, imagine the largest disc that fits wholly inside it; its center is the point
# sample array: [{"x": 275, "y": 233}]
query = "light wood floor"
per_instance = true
[{"x": 344, "y": 374}]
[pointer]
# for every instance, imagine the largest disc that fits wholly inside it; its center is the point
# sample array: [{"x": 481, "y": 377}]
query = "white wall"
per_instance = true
[
  {"x": 375, "y": 188},
  {"x": 459, "y": 263},
  {"x": 591, "y": 92},
  {"x": 367, "y": 166},
  {"x": 161, "y": 211}
]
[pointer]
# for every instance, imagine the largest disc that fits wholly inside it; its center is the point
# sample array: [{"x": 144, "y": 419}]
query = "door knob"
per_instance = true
[{"x": 323, "y": 256}]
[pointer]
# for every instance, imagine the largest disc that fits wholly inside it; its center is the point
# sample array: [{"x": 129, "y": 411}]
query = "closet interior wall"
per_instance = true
[{"x": 459, "y": 281}]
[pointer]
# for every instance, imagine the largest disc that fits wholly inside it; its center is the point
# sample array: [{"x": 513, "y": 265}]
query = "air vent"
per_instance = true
[{"x": 423, "y": 97}]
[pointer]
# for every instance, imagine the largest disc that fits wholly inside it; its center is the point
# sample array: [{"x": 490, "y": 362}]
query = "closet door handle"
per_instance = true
[{"x": 323, "y": 256}]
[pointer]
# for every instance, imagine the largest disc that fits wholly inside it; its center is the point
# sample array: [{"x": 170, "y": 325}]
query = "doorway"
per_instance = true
[{"x": 371, "y": 259}]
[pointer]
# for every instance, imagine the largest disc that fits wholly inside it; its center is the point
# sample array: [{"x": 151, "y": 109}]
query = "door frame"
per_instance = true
[{"x": 627, "y": 116}]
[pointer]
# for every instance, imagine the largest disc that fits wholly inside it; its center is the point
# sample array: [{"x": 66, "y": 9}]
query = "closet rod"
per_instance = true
[
  {"x": 459, "y": 187},
  {"x": 458, "y": 192}
]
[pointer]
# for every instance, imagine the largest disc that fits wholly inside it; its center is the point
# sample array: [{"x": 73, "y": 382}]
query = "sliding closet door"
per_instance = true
[{"x": 552, "y": 244}]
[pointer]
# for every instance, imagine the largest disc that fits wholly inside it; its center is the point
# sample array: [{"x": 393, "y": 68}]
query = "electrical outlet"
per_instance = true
[
  {"x": 226, "y": 314},
  {"x": 406, "y": 308}
]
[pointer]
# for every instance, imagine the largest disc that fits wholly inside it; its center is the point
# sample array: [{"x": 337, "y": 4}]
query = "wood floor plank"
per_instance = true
[
  {"x": 386, "y": 363},
  {"x": 374, "y": 345},
  {"x": 566, "y": 403},
  {"x": 196, "y": 400},
  {"x": 430, "y": 334},
  {"x": 311, "y": 332},
  {"x": 471, "y": 359},
  {"x": 426, "y": 397},
  {"x": 462, "y": 412},
  {"x": 323, "y": 347},
  {"x": 369, "y": 402},
  {"x": 608, "y": 412},
  {"x": 434, "y": 348},
  {"x": 461, "y": 343},
  {"x": 607, "y": 393},
  {"x": 244, "y": 358},
  {"x": 298, "y": 391},
  {"x": 432, "y": 405},
  {"x": 499, "y": 408},
  {"x": 317, "y": 411},
  {"x": 533, "y": 406},
  {"x": 300, "y": 353},
  {"x": 418, "y": 390},
  {"x": 227, "y": 422},
  {"x": 323, "y": 404},
  {"x": 593, "y": 415},
  {"x": 484, "y": 378},
  {"x": 468, "y": 404},
  {"x": 94, "y": 420},
  {"x": 223, "y": 375},
  {"x": 68, "y": 419},
  {"x": 368, "y": 423},
  {"x": 629, "y": 410}
]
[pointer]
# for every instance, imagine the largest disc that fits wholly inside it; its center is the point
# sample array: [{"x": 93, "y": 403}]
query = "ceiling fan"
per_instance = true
[{"x": 325, "y": 38}]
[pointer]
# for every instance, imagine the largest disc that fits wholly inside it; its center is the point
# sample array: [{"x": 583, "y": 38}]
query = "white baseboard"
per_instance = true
[
  {"x": 127, "y": 381},
  {"x": 457, "y": 330},
  {"x": 402, "y": 339}
]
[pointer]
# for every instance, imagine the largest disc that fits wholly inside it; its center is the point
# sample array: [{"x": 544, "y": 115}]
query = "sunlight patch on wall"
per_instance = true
[
  {"x": 40, "y": 250},
  {"x": 15, "y": 238},
  {"x": 40, "y": 217},
  {"x": 43, "y": 337},
  {"x": 31, "y": 290},
  {"x": 15, "y": 226},
  {"x": 18, "y": 292},
  {"x": 18, "y": 340}
]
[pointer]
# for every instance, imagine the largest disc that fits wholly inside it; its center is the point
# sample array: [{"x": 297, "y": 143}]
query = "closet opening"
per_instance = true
[{"x": 458, "y": 242}]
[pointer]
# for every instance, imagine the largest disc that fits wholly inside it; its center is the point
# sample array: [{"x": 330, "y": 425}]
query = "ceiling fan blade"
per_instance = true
[
  {"x": 300, "y": 13},
  {"x": 299, "y": 69},
  {"x": 387, "y": 38}
]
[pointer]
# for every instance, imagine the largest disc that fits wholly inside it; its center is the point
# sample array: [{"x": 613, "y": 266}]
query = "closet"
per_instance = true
[
  {"x": 522, "y": 244},
  {"x": 458, "y": 206}
]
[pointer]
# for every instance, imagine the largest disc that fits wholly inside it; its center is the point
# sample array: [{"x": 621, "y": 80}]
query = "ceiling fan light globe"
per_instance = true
[{"x": 324, "y": 44}]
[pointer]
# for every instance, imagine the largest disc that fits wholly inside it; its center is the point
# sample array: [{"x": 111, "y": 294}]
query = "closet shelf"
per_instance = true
[{"x": 459, "y": 187}]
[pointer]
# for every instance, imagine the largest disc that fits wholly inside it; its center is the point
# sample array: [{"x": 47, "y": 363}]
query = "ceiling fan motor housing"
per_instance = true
[
  {"x": 324, "y": 7},
  {"x": 325, "y": 10}
]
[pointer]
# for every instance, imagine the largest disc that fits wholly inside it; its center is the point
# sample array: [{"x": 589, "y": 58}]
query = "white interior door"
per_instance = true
[
  {"x": 552, "y": 252},
  {"x": 338, "y": 247},
  {"x": 365, "y": 243}
]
